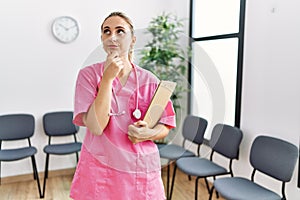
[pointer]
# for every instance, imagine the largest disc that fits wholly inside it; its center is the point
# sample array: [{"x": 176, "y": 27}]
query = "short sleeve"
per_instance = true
[
  {"x": 85, "y": 93},
  {"x": 169, "y": 117}
]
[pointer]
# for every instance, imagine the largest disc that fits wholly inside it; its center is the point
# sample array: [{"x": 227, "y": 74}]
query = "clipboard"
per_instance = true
[{"x": 159, "y": 102}]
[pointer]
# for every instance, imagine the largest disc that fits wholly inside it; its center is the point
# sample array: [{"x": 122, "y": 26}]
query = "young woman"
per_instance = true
[{"x": 119, "y": 159}]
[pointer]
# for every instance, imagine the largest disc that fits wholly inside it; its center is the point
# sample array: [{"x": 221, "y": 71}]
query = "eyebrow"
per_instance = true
[{"x": 117, "y": 27}]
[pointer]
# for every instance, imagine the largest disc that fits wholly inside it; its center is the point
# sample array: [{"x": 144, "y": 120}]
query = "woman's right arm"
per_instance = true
[{"x": 97, "y": 117}]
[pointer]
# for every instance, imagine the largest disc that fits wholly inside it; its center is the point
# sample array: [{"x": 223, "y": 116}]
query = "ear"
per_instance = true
[{"x": 133, "y": 41}]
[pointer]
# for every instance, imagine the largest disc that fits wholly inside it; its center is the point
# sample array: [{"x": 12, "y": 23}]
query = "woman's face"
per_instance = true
[{"x": 117, "y": 36}]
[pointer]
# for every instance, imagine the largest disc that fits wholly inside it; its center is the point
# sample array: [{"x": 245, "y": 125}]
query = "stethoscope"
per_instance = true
[{"x": 137, "y": 112}]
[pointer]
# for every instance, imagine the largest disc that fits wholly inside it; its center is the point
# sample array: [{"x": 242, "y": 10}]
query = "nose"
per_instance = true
[{"x": 113, "y": 38}]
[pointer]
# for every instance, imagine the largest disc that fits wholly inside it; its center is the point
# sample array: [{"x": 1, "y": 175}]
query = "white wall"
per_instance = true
[
  {"x": 37, "y": 73},
  {"x": 271, "y": 84}
]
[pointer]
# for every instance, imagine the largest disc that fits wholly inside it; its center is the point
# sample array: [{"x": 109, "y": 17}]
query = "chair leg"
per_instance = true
[
  {"x": 207, "y": 185},
  {"x": 196, "y": 188},
  {"x": 36, "y": 175},
  {"x": 46, "y": 165},
  {"x": 211, "y": 192},
  {"x": 77, "y": 157},
  {"x": 173, "y": 181},
  {"x": 217, "y": 194},
  {"x": 0, "y": 172},
  {"x": 168, "y": 180},
  {"x": 46, "y": 174}
]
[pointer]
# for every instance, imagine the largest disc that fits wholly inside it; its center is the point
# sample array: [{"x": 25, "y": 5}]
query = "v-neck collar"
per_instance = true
[{"x": 129, "y": 84}]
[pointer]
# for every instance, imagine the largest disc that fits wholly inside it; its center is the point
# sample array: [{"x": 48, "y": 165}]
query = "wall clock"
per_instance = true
[{"x": 65, "y": 29}]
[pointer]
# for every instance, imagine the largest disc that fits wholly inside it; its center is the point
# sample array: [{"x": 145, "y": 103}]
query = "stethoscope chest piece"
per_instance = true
[{"x": 137, "y": 113}]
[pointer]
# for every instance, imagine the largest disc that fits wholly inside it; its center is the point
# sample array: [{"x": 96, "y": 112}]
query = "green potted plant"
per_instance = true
[{"x": 164, "y": 56}]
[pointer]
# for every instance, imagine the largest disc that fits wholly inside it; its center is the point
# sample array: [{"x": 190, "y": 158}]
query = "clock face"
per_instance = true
[{"x": 65, "y": 29}]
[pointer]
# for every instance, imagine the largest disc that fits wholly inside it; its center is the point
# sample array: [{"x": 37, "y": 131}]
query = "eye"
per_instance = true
[
  {"x": 120, "y": 31},
  {"x": 106, "y": 31}
]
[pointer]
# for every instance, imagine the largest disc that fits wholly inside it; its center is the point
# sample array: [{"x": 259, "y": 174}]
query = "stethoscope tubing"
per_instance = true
[{"x": 136, "y": 113}]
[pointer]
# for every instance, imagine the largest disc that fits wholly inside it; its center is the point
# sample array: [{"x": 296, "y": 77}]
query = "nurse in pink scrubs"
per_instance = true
[{"x": 118, "y": 160}]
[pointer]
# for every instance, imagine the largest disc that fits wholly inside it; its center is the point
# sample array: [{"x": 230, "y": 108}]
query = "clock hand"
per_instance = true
[
  {"x": 71, "y": 27},
  {"x": 63, "y": 27}
]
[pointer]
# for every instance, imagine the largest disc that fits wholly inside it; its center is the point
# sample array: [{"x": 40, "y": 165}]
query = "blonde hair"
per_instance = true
[{"x": 129, "y": 22}]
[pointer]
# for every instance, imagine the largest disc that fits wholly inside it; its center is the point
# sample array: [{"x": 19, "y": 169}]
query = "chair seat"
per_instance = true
[
  {"x": 200, "y": 167},
  {"x": 244, "y": 189},
  {"x": 173, "y": 152},
  {"x": 159, "y": 145},
  {"x": 17, "y": 154},
  {"x": 63, "y": 149}
]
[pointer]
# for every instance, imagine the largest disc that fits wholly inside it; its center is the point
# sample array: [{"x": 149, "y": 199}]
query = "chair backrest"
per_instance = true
[
  {"x": 59, "y": 123},
  {"x": 274, "y": 157},
  {"x": 194, "y": 128},
  {"x": 226, "y": 140},
  {"x": 16, "y": 126}
]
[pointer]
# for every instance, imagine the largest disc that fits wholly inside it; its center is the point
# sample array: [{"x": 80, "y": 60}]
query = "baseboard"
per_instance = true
[{"x": 29, "y": 177}]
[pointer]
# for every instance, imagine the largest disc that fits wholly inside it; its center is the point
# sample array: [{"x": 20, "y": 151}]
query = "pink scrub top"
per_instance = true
[{"x": 111, "y": 166}]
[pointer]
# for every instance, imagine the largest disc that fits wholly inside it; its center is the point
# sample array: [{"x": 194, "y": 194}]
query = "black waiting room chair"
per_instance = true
[
  {"x": 57, "y": 124},
  {"x": 271, "y": 156},
  {"x": 15, "y": 127},
  {"x": 225, "y": 140},
  {"x": 193, "y": 130}
]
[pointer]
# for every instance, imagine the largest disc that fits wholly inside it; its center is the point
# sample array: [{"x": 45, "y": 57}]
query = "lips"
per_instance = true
[{"x": 112, "y": 46}]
